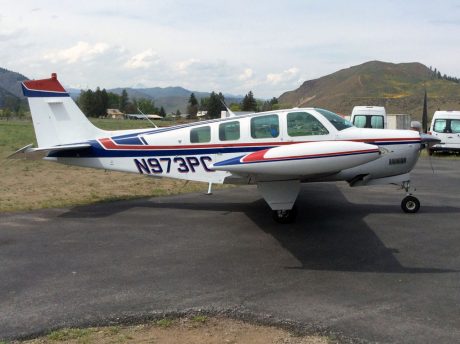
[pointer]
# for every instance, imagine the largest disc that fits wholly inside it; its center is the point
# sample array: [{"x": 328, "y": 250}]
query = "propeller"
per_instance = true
[
  {"x": 429, "y": 139},
  {"x": 427, "y": 142}
]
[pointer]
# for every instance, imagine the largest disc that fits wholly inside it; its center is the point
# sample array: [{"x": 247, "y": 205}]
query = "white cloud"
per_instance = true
[
  {"x": 184, "y": 66},
  {"x": 286, "y": 76},
  {"x": 165, "y": 44},
  {"x": 82, "y": 51},
  {"x": 143, "y": 60},
  {"x": 246, "y": 75}
]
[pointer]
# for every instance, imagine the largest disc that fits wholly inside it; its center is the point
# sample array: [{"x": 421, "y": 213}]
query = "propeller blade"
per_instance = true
[{"x": 427, "y": 138}]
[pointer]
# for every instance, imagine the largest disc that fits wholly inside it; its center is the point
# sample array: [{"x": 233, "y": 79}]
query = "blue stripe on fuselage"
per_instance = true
[{"x": 97, "y": 151}]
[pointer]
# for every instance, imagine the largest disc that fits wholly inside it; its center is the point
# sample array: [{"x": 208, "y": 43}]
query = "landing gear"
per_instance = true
[
  {"x": 410, "y": 204},
  {"x": 285, "y": 215}
]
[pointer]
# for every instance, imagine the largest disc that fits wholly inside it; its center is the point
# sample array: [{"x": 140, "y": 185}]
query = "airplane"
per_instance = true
[{"x": 276, "y": 150}]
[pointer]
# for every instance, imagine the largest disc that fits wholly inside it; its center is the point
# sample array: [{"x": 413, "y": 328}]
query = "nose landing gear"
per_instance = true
[{"x": 410, "y": 204}]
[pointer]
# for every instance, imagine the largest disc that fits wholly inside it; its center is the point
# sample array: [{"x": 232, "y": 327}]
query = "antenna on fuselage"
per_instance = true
[
  {"x": 231, "y": 113},
  {"x": 147, "y": 118}
]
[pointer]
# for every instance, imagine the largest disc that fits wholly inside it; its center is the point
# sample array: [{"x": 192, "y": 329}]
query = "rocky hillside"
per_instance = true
[{"x": 398, "y": 87}]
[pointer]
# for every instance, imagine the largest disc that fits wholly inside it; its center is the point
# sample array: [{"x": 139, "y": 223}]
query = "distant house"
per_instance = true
[
  {"x": 115, "y": 114},
  {"x": 141, "y": 116},
  {"x": 202, "y": 114}
]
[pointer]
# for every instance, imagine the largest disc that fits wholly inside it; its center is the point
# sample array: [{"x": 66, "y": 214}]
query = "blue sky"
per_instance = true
[{"x": 265, "y": 46}]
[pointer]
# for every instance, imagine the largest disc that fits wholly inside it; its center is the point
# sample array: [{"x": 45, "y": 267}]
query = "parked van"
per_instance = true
[
  {"x": 369, "y": 117},
  {"x": 445, "y": 125}
]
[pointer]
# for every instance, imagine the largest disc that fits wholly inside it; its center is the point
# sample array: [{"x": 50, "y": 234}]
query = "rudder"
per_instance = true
[{"x": 57, "y": 119}]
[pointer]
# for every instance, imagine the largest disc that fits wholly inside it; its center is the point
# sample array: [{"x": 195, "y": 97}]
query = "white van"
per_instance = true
[
  {"x": 369, "y": 117},
  {"x": 445, "y": 125}
]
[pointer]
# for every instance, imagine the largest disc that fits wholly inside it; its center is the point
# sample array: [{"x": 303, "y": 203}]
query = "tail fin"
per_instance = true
[{"x": 57, "y": 119}]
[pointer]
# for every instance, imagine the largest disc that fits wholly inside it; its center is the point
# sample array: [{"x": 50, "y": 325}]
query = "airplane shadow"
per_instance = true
[{"x": 330, "y": 233}]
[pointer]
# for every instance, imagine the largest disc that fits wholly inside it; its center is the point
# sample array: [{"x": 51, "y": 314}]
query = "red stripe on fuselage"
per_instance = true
[{"x": 109, "y": 144}]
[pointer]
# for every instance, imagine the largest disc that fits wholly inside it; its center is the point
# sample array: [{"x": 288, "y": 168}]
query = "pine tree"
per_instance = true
[
  {"x": 123, "y": 101},
  {"x": 162, "y": 112},
  {"x": 249, "y": 103},
  {"x": 192, "y": 107},
  {"x": 214, "y": 105}
]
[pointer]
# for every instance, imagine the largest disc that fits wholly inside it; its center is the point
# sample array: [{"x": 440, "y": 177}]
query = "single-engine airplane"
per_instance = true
[{"x": 277, "y": 150}]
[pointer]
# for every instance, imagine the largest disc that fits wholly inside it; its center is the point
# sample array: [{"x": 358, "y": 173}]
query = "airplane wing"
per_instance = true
[
  {"x": 302, "y": 159},
  {"x": 279, "y": 170},
  {"x": 27, "y": 152}
]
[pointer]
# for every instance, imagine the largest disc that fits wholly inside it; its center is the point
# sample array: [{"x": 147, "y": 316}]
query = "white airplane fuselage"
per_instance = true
[{"x": 169, "y": 152}]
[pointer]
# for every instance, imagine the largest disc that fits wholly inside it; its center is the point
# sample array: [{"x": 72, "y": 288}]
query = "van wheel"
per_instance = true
[{"x": 410, "y": 204}]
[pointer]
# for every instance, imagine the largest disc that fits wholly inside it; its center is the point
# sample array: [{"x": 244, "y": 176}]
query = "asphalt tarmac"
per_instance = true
[{"x": 353, "y": 265}]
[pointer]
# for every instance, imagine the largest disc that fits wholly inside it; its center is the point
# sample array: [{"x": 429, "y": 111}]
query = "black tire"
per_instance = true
[
  {"x": 285, "y": 216},
  {"x": 410, "y": 204}
]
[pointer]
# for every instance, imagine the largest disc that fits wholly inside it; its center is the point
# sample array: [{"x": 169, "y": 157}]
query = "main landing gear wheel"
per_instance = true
[
  {"x": 410, "y": 204},
  {"x": 285, "y": 215}
]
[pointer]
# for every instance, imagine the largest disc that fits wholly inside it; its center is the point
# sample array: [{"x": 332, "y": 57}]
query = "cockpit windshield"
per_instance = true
[{"x": 338, "y": 122}]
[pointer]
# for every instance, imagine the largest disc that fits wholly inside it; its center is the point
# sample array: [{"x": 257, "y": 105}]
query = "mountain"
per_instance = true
[
  {"x": 10, "y": 87},
  {"x": 398, "y": 87},
  {"x": 170, "y": 98}
]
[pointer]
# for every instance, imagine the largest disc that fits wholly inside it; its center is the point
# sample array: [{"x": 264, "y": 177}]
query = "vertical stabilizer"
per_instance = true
[{"x": 57, "y": 119}]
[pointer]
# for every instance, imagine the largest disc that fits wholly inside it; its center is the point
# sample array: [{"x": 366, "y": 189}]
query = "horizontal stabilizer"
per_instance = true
[{"x": 30, "y": 153}]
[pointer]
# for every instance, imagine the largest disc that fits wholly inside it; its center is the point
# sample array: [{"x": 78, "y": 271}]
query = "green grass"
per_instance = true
[
  {"x": 70, "y": 334},
  {"x": 164, "y": 323},
  {"x": 15, "y": 135},
  {"x": 199, "y": 319},
  {"x": 33, "y": 184}
]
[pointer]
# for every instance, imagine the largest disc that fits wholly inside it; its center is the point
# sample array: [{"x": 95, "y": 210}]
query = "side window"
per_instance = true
[
  {"x": 360, "y": 121},
  {"x": 200, "y": 135},
  {"x": 377, "y": 122},
  {"x": 229, "y": 131},
  {"x": 304, "y": 124},
  {"x": 455, "y": 126},
  {"x": 440, "y": 125},
  {"x": 265, "y": 127}
]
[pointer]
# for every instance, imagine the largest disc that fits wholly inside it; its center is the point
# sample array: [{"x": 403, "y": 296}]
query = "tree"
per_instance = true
[
  {"x": 192, "y": 107},
  {"x": 235, "y": 107},
  {"x": 123, "y": 101},
  {"x": 270, "y": 104},
  {"x": 162, "y": 112},
  {"x": 86, "y": 102},
  {"x": 214, "y": 105},
  {"x": 113, "y": 100},
  {"x": 249, "y": 103},
  {"x": 100, "y": 103},
  {"x": 147, "y": 106}
]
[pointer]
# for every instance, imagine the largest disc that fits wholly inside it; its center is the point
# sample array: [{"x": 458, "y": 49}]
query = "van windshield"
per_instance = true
[{"x": 338, "y": 122}]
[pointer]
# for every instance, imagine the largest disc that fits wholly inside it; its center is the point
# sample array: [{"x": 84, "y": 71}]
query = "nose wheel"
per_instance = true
[{"x": 410, "y": 204}]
